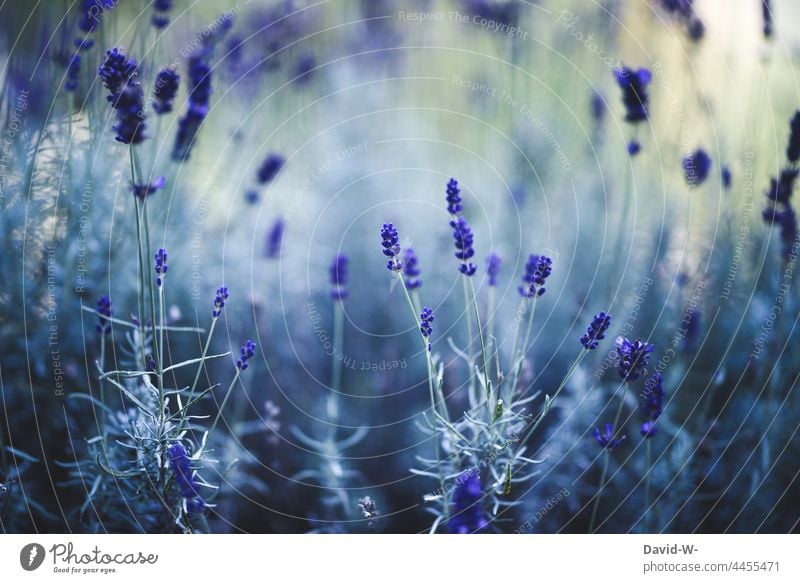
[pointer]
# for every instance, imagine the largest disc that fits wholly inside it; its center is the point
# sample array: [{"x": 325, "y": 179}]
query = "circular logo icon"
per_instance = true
[{"x": 31, "y": 556}]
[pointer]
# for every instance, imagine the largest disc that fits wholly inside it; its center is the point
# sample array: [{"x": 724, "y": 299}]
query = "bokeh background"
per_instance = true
[{"x": 374, "y": 108}]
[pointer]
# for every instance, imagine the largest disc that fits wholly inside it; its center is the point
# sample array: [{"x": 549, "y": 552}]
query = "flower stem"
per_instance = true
[
  {"x": 336, "y": 364},
  {"x": 468, "y": 351},
  {"x": 615, "y": 428}
]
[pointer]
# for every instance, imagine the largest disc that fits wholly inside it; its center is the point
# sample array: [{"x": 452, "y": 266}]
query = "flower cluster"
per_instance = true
[
  {"x": 696, "y": 167},
  {"x": 142, "y": 191},
  {"x": 246, "y": 353},
  {"x": 166, "y": 88},
  {"x": 275, "y": 239},
  {"x": 453, "y": 196},
  {"x": 115, "y": 72},
  {"x": 493, "y": 263},
  {"x": 161, "y": 266},
  {"x": 219, "y": 301},
  {"x": 182, "y": 472},
  {"x": 634, "y": 92},
  {"x": 652, "y": 404},
  {"x": 766, "y": 15},
  {"x": 73, "y": 72},
  {"x": 338, "y": 272},
  {"x": 632, "y": 358},
  {"x": 596, "y": 330},
  {"x": 118, "y": 73},
  {"x": 411, "y": 270},
  {"x": 425, "y": 328},
  {"x": 270, "y": 167},
  {"x": 464, "y": 241},
  {"x": 684, "y": 12},
  {"x": 537, "y": 270},
  {"x": 103, "y": 314},
  {"x": 607, "y": 439},
  {"x": 779, "y": 210},
  {"x": 390, "y": 241},
  {"x": 161, "y": 9},
  {"x": 199, "y": 104},
  {"x": 467, "y": 513}
]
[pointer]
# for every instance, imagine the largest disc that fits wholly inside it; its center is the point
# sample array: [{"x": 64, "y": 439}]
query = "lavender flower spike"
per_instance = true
[
  {"x": 219, "y": 301},
  {"x": 338, "y": 272},
  {"x": 454, "y": 206},
  {"x": 390, "y": 241},
  {"x": 493, "y": 263},
  {"x": 596, "y": 330},
  {"x": 425, "y": 328},
  {"x": 161, "y": 266},
  {"x": 632, "y": 357},
  {"x": 463, "y": 240},
  {"x": 411, "y": 270},
  {"x": 606, "y": 440},
  {"x": 247, "y": 352}
]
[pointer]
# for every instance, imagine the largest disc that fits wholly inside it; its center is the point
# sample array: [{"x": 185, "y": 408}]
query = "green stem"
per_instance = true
[
  {"x": 222, "y": 406},
  {"x": 519, "y": 358},
  {"x": 468, "y": 349},
  {"x": 445, "y": 415},
  {"x": 549, "y": 405},
  {"x": 483, "y": 350},
  {"x": 336, "y": 374},
  {"x": 615, "y": 430},
  {"x": 141, "y": 284},
  {"x": 199, "y": 371},
  {"x": 596, "y": 505}
]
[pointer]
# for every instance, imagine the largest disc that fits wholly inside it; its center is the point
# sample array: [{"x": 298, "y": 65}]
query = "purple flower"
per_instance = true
[
  {"x": 463, "y": 239},
  {"x": 696, "y": 167},
  {"x": 270, "y": 167},
  {"x": 727, "y": 177},
  {"x": 493, "y": 263},
  {"x": 453, "y": 195},
  {"x": 275, "y": 238},
  {"x": 632, "y": 357},
  {"x": 606, "y": 440},
  {"x": 219, "y": 301},
  {"x": 793, "y": 149},
  {"x": 634, "y": 148},
  {"x": 183, "y": 474},
  {"x": 633, "y": 84},
  {"x": 596, "y": 330},
  {"x": 161, "y": 267},
  {"x": 161, "y": 9},
  {"x": 467, "y": 515},
  {"x": 142, "y": 191},
  {"x": 103, "y": 315},
  {"x": 306, "y": 63},
  {"x": 597, "y": 106},
  {"x": 411, "y": 270},
  {"x": 116, "y": 71},
  {"x": 130, "y": 126},
  {"x": 425, "y": 328},
  {"x": 199, "y": 105},
  {"x": 537, "y": 270},
  {"x": 338, "y": 272},
  {"x": 73, "y": 73},
  {"x": 390, "y": 241},
  {"x": 766, "y": 15},
  {"x": 653, "y": 397},
  {"x": 246, "y": 353},
  {"x": 166, "y": 88}
]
